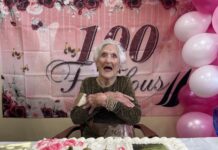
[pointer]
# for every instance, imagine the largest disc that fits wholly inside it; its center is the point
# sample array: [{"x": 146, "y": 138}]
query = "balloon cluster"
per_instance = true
[{"x": 199, "y": 31}]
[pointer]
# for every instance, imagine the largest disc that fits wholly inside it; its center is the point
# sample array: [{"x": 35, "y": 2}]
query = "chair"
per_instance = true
[{"x": 67, "y": 132}]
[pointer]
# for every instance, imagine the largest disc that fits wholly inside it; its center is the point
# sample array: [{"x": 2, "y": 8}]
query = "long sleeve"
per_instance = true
[
  {"x": 128, "y": 115},
  {"x": 121, "y": 113},
  {"x": 78, "y": 114}
]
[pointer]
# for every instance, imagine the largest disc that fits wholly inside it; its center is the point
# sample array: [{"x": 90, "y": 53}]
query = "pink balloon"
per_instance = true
[
  {"x": 185, "y": 94},
  {"x": 192, "y": 102},
  {"x": 215, "y": 20},
  {"x": 187, "y": 97},
  {"x": 199, "y": 108},
  {"x": 205, "y": 6},
  {"x": 195, "y": 124},
  {"x": 215, "y": 62},
  {"x": 210, "y": 29}
]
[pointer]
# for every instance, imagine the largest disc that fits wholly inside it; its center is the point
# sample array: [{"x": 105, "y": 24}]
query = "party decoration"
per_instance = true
[
  {"x": 205, "y": 6},
  {"x": 191, "y": 24},
  {"x": 192, "y": 102},
  {"x": 200, "y": 49},
  {"x": 215, "y": 20},
  {"x": 187, "y": 97},
  {"x": 215, "y": 62},
  {"x": 195, "y": 124},
  {"x": 215, "y": 120},
  {"x": 50, "y": 52},
  {"x": 204, "y": 81},
  {"x": 210, "y": 29},
  {"x": 173, "y": 101},
  {"x": 199, "y": 108}
]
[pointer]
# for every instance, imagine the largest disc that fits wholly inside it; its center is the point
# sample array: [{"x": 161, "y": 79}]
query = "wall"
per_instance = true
[
  {"x": 35, "y": 129},
  {"x": 16, "y": 129}
]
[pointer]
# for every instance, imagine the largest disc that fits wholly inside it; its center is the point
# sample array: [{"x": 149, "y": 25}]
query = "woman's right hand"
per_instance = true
[{"x": 100, "y": 99}]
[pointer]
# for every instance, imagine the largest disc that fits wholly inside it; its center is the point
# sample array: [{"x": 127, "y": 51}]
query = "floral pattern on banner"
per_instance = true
[
  {"x": 46, "y": 54},
  {"x": 35, "y": 7},
  {"x": 16, "y": 105}
]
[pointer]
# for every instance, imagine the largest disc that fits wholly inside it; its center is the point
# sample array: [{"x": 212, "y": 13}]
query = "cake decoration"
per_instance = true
[{"x": 110, "y": 143}]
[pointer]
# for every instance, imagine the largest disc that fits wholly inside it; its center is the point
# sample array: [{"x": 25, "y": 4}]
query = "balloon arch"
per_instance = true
[{"x": 198, "y": 30}]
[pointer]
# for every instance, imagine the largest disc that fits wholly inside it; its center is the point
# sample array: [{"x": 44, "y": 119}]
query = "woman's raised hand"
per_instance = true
[
  {"x": 100, "y": 99},
  {"x": 95, "y": 100},
  {"x": 123, "y": 98}
]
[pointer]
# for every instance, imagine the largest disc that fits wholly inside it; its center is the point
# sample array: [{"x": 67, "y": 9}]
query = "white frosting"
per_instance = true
[{"x": 111, "y": 143}]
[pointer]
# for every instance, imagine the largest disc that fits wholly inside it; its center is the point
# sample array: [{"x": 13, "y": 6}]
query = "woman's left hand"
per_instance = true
[
  {"x": 100, "y": 99},
  {"x": 95, "y": 100}
]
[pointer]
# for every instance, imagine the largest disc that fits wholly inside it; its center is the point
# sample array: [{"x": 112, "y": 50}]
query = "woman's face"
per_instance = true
[{"x": 108, "y": 63}]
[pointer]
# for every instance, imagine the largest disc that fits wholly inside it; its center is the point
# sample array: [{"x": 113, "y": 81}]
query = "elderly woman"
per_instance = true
[{"x": 106, "y": 105}]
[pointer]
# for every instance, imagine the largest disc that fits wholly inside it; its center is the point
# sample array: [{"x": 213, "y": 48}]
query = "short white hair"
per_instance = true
[{"x": 120, "y": 49}]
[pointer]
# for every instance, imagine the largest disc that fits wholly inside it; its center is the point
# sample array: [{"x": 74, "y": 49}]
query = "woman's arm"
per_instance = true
[
  {"x": 78, "y": 114},
  {"x": 130, "y": 115},
  {"x": 127, "y": 114}
]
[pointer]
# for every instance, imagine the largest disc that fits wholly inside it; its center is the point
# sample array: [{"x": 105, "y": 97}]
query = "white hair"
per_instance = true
[{"x": 120, "y": 49}]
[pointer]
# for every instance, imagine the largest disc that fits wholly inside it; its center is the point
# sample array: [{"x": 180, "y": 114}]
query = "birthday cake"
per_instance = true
[{"x": 110, "y": 143}]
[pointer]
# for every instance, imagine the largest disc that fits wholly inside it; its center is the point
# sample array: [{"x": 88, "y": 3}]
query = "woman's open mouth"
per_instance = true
[{"x": 108, "y": 68}]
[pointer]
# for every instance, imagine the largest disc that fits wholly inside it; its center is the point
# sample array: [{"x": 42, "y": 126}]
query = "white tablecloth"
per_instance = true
[{"x": 210, "y": 143}]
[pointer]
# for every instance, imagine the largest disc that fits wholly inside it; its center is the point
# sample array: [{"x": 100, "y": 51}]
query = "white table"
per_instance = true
[{"x": 209, "y": 143}]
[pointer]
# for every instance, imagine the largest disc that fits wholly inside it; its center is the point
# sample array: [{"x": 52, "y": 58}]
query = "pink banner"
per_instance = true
[{"x": 47, "y": 49}]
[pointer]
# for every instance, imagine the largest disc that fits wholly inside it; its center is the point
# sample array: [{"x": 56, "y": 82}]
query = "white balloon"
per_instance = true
[
  {"x": 190, "y": 24},
  {"x": 204, "y": 81},
  {"x": 200, "y": 49}
]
